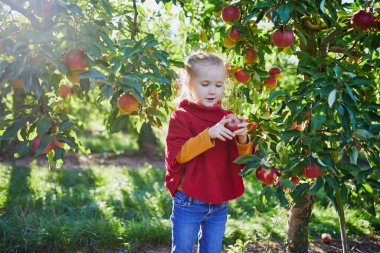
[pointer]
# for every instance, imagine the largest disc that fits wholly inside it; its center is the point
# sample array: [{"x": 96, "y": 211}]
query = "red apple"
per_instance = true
[
  {"x": 230, "y": 13},
  {"x": 282, "y": 39},
  {"x": 270, "y": 83},
  {"x": 299, "y": 127},
  {"x": 74, "y": 59},
  {"x": 242, "y": 76},
  {"x": 251, "y": 55},
  {"x": 47, "y": 149},
  {"x": 266, "y": 176},
  {"x": 234, "y": 34},
  {"x": 326, "y": 238},
  {"x": 362, "y": 20},
  {"x": 228, "y": 42},
  {"x": 64, "y": 91},
  {"x": 232, "y": 125},
  {"x": 252, "y": 126},
  {"x": 313, "y": 171},
  {"x": 295, "y": 180},
  {"x": 127, "y": 103},
  {"x": 275, "y": 71}
]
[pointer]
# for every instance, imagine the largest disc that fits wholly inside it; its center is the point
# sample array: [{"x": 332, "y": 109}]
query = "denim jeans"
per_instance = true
[{"x": 191, "y": 218}]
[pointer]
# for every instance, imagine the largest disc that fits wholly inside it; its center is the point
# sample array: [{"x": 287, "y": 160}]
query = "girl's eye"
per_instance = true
[
  {"x": 204, "y": 84},
  {"x": 219, "y": 85}
]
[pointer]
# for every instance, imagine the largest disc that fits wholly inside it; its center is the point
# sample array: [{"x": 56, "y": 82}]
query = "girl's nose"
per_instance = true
[{"x": 212, "y": 89}]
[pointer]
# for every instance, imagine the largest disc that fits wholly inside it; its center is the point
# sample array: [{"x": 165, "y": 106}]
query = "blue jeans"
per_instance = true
[{"x": 191, "y": 218}]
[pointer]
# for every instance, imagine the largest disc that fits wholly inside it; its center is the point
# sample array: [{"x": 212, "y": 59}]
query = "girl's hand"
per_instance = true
[
  {"x": 242, "y": 132},
  {"x": 220, "y": 131}
]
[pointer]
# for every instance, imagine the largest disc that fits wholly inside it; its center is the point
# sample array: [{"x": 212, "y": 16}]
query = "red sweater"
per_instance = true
[{"x": 211, "y": 176}]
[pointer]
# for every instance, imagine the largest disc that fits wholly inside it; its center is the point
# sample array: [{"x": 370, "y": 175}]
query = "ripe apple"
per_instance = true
[
  {"x": 362, "y": 20},
  {"x": 266, "y": 176},
  {"x": 232, "y": 125},
  {"x": 251, "y": 55},
  {"x": 228, "y": 42},
  {"x": 270, "y": 83},
  {"x": 234, "y": 34},
  {"x": 313, "y": 171},
  {"x": 127, "y": 103},
  {"x": 275, "y": 71},
  {"x": 242, "y": 76},
  {"x": 295, "y": 180},
  {"x": 74, "y": 59},
  {"x": 282, "y": 39},
  {"x": 230, "y": 13},
  {"x": 47, "y": 149},
  {"x": 64, "y": 91},
  {"x": 326, "y": 238},
  {"x": 17, "y": 83}
]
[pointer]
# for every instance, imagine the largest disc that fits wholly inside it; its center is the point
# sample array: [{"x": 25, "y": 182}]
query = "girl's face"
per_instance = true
[{"x": 207, "y": 85}]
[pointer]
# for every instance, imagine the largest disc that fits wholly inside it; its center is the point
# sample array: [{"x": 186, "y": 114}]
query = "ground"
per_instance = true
[{"x": 362, "y": 245}]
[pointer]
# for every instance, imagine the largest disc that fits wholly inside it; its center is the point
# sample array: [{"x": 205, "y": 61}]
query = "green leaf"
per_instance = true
[
  {"x": 299, "y": 191},
  {"x": 363, "y": 134},
  {"x": 285, "y": 11},
  {"x": 108, "y": 41},
  {"x": 106, "y": 7},
  {"x": 316, "y": 186},
  {"x": 281, "y": 197},
  {"x": 248, "y": 168},
  {"x": 350, "y": 92},
  {"x": 332, "y": 182},
  {"x": 12, "y": 130},
  {"x": 316, "y": 122},
  {"x": 338, "y": 72},
  {"x": 119, "y": 123},
  {"x": 94, "y": 74},
  {"x": 331, "y": 98},
  {"x": 243, "y": 159},
  {"x": 43, "y": 125}
]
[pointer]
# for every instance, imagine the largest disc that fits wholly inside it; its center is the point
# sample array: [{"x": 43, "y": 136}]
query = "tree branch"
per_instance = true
[
  {"x": 311, "y": 26},
  {"x": 134, "y": 29},
  {"x": 14, "y": 6}
]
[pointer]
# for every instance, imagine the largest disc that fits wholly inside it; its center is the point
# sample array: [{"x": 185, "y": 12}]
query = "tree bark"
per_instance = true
[{"x": 299, "y": 216}]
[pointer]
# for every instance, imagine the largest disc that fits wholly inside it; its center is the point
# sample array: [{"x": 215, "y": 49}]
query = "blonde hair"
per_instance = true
[{"x": 196, "y": 59}]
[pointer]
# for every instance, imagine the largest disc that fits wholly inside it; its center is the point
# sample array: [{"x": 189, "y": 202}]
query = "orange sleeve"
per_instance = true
[
  {"x": 194, "y": 147},
  {"x": 244, "y": 149}
]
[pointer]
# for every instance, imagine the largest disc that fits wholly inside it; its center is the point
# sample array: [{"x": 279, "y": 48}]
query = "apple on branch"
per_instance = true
[
  {"x": 127, "y": 103},
  {"x": 362, "y": 20},
  {"x": 282, "y": 39},
  {"x": 242, "y": 76},
  {"x": 230, "y": 14}
]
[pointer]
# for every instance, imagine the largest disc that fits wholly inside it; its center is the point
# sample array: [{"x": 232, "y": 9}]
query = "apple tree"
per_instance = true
[
  {"x": 306, "y": 73},
  {"x": 56, "y": 51}
]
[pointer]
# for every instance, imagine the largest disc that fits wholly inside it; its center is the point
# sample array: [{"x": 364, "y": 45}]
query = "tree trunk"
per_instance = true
[
  {"x": 299, "y": 216},
  {"x": 147, "y": 141}
]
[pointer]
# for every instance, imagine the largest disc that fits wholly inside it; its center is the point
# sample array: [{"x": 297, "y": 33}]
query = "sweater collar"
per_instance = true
[{"x": 212, "y": 114}]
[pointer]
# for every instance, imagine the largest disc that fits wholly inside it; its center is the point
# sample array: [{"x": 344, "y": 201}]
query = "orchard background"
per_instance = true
[{"x": 94, "y": 81}]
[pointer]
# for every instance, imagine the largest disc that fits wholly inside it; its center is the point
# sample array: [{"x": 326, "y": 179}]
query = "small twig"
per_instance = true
[{"x": 311, "y": 26}]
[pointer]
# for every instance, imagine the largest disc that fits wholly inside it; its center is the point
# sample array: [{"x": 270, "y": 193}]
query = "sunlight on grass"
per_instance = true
[{"x": 125, "y": 209}]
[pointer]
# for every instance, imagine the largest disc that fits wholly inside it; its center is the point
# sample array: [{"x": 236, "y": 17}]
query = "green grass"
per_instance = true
[{"x": 105, "y": 209}]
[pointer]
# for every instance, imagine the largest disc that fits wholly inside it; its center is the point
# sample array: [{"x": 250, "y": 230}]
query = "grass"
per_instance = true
[{"x": 108, "y": 209}]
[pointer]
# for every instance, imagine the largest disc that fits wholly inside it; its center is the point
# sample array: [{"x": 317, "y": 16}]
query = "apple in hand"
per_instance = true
[{"x": 233, "y": 122}]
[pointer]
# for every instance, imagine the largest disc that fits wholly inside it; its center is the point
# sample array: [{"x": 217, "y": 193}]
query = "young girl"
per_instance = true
[{"x": 200, "y": 151}]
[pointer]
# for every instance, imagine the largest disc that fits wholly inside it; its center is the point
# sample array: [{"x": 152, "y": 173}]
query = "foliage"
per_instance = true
[
  {"x": 38, "y": 35},
  {"x": 330, "y": 82}
]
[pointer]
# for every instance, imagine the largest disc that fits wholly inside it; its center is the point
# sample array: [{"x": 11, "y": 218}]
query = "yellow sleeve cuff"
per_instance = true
[
  {"x": 195, "y": 146},
  {"x": 244, "y": 149}
]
